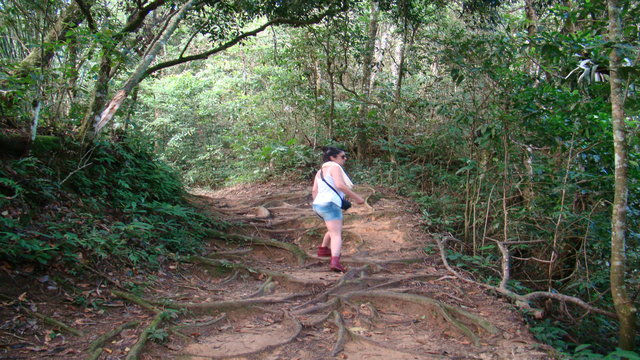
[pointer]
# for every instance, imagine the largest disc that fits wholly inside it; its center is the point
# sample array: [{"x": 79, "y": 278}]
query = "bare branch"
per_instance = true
[{"x": 523, "y": 301}]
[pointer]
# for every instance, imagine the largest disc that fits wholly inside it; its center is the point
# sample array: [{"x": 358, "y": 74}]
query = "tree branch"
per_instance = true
[
  {"x": 86, "y": 10},
  {"x": 277, "y": 21},
  {"x": 135, "y": 20}
]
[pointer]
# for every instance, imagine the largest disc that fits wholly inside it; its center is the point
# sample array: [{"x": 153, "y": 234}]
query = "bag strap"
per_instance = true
[{"x": 325, "y": 181}]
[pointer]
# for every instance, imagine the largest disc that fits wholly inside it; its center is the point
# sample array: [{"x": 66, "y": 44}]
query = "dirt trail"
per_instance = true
[
  {"x": 259, "y": 292},
  {"x": 395, "y": 302}
]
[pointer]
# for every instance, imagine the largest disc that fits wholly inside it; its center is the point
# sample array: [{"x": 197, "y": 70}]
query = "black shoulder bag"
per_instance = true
[{"x": 346, "y": 204}]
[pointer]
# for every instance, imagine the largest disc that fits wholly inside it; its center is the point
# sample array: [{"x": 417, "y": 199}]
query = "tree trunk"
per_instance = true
[
  {"x": 367, "y": 65},
  {"x": 532, "y": 17},
  {"x": 99, "y": 95},
  {"x": 401, "y": 51},
  {"x": 101, "y": 88},
  {"x": 69, "y": 19},
  {"x": 330, "y": 61},
  {"x": 623, "y": 304},
  {"x": 114, "y": 104}
]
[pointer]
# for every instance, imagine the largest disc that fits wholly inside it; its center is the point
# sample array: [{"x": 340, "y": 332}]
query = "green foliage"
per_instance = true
[
  {"x": 119, "y": 205},
  {"x": 159, "y": 336},
  {"x": 126, "y": 175},
  {"x": 583, "y": 352},
  {"x": 549, "y": 333},
  {"x": 207, "y": 142}
]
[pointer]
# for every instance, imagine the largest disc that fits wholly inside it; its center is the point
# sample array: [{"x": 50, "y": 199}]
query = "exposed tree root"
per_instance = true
[
  {"x": 374, "y": 215},
  {"x": 285, "y": 208},
  {"x": 284, "y": 197},
  {"x": 269, "y": 203},
  {"x": 104, "y": 276},
  {"x": 331, "y": 304},
  {"x": 318, "y": 321},
  {"x": 179, "y": 333},
  {"x": 296, "y": 332},
  {"x": 374, "y": 262},
  {"x": 345, "y": 279},
  {"x": 523, "y": 301},
  {"x": 205, "y": 323},
  {"x": 420, "y": 354},
  {"x": 401, "y": 280},
  {"x": 295, "y": 250},
  {"x": 137, "y": 300},
  {"x": 95, "y": 348},
  {"x": 135, "y": 351},
  {"x": 231, "y": 253},
  {"x": 231, "y": 278},
  {"x": 176, "y": 328},
  {"x": 453, "y": 315},
  {"x": 240, "y": 266},
  {"x": 301, "y": 218},
  {"x": 267, "y": 287},
  {"x": 343, "y": 333},
  {"x": 207, "y": 307},
  {"x": 51, "y": 321},
  {"x": 459, "y": 325},
  {"x": 366, "y": 200},
  {"x": 419, "y": 299}
]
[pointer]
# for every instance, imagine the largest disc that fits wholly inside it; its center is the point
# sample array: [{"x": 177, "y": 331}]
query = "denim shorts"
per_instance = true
[{"x": 328, "y": 211}]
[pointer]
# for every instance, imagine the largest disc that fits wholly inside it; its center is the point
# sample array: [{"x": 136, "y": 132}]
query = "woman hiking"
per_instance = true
[{"x": 330, "y": 186}]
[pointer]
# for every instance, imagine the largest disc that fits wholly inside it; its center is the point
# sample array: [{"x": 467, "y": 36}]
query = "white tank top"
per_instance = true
[{"x": 325, "y": 194}]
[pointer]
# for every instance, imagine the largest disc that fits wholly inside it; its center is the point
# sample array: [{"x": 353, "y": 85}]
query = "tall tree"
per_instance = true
[
  {"x": 114, "y": 104},
  {"x": 298, "y": 14},
  {"x": 623, "y": 303},
  {"x": 367, "y": 74}
]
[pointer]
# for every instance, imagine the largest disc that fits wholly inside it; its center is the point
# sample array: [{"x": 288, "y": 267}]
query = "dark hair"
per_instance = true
[{"x": 329, "y": 151}]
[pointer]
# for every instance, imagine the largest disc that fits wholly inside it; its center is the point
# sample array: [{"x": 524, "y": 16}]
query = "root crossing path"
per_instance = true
[{"x": 260, "y": 292}]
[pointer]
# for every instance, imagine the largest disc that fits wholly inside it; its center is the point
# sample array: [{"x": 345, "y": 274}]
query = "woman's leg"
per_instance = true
[
  {"x": 326, "y": 239},
  {"x": 334, "y": 234}
]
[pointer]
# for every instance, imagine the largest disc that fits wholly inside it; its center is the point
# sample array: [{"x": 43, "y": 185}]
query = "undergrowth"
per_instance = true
[
  {"x": 439, "y": 190},
  {"x": 108, "y": 204}
]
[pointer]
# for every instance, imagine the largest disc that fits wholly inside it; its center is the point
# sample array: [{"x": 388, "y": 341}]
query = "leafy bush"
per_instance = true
[{"x": 115, "y": 202}]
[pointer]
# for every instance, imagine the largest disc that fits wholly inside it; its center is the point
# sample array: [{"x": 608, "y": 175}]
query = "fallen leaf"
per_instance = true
[
  {"x": 107, "y": 350},
  {"x": 22, "y": 296},
  {"x": 357, "y": 329}
]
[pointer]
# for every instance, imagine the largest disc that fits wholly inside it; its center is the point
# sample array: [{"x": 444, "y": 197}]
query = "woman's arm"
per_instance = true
[
  {"x": 314, "y": 191},
  {"x": 336, "y": 174}
]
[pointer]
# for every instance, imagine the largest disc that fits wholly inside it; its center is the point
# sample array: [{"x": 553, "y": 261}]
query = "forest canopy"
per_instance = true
[{"x": 512, "y": 124}]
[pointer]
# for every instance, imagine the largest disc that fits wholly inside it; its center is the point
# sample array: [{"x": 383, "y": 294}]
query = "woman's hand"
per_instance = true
[{"x": 358, "y": 199}]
